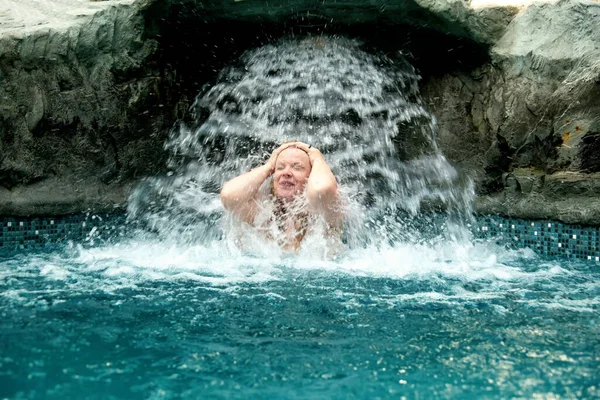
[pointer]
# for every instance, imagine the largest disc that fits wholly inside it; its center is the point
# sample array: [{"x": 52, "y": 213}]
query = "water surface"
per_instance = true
[{"x": 149, "y": 320}]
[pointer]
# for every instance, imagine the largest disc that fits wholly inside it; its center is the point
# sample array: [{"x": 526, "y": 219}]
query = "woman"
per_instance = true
[{"x": 303, "y": 190}]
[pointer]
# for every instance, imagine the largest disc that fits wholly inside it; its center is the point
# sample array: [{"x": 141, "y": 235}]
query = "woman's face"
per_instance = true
[{"x": 291, "y": 173}]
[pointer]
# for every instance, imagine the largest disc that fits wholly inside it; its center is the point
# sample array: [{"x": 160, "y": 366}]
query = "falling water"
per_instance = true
[{"x": 364, "y": 113}]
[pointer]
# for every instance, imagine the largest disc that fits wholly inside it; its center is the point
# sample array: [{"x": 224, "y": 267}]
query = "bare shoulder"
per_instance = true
[{"x": 247, "y": 210}]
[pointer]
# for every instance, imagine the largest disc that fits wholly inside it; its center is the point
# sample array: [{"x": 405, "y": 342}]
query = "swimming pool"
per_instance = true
[
  {"x": 149, "y": 319},
  {"x": 415, "y": 308}
]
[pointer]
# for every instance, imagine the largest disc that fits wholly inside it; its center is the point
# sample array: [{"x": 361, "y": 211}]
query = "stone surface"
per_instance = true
[
  {"x": 56, "y": 196},
  {"x": 535, "y": 105},
  {"x": 570, "y": 197},
  {"x": 89, "y": 89},
  {"x": 485, "y": 24},
  {"x": 80, "y": 106}
]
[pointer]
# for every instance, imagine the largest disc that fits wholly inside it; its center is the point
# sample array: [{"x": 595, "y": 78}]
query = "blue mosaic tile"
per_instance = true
[
  {"x": 545, "y": 237},
  {"x": 19, "y": 233}
]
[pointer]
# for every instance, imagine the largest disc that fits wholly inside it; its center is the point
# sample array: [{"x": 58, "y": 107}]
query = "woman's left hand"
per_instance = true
[{"x": 313, "y": 153}]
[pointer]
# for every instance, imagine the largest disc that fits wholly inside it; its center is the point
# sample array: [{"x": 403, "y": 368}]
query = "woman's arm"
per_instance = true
[
  {"x": 321, "y": 188},
  {"x": 239, "y": 194}
]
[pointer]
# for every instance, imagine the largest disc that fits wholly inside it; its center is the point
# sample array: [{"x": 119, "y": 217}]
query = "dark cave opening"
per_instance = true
[{"x": 196, "y": 42}]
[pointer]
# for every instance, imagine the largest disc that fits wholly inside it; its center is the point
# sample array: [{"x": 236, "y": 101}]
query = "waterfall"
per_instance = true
[{"x": 362, "y": 110}]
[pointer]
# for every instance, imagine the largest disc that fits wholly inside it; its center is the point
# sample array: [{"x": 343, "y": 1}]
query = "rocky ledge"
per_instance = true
[
  {"x": 90, "y": 89},
  {"x": 526, "y": 124},
  {"x": 80, "y": 104}
]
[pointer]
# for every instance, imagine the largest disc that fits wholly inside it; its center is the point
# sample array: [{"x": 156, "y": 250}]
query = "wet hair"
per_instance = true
[{"x": 281, "y": 210}]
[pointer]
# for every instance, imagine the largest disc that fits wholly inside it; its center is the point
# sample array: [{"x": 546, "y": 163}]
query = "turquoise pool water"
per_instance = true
[{"x": 146, "y": 320}]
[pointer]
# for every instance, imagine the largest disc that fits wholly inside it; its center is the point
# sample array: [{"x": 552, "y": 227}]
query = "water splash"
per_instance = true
[{"x": 363, "y": 111}]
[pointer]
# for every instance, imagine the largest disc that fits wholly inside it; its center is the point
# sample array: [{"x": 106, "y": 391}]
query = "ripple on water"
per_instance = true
[{"x": 486, "y": 321}]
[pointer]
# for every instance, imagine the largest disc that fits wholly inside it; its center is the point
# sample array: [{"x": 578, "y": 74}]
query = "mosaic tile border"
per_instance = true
[
  {"x": 545, "y": 237},
  {"x": 21, "y": 233}
]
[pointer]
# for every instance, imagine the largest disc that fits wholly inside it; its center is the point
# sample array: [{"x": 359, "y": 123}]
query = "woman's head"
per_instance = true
[{"x": 292, "y": 169}]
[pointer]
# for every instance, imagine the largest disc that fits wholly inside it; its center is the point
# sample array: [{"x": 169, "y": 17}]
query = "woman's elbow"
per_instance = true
[{"x": 227, "y": 198}]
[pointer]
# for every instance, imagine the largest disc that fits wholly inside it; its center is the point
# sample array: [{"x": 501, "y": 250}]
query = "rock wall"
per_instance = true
[
  {"x": 80, "y": 105},
  {"x": 526, "y": 125},
  {"x": 89, "y": 90}
]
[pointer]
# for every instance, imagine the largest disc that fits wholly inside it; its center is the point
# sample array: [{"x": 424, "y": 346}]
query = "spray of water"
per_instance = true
[{"x": 363, "y": 111}]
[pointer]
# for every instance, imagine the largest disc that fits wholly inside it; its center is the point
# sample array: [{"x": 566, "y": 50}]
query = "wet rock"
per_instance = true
[
  {"x": 55, "y": 196},
  {"x": 572, "y": 197},
  {"x": 538, "y": 94},
  {"x": 90, "y": 89},
  {"x": 79, "y": 90}
]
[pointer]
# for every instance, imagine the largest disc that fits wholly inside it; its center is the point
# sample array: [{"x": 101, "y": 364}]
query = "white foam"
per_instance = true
[
  {"x": 56, "y": 272},
  {"x": 215, "y": 263},
  {"x": 495, "y": 271}
]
